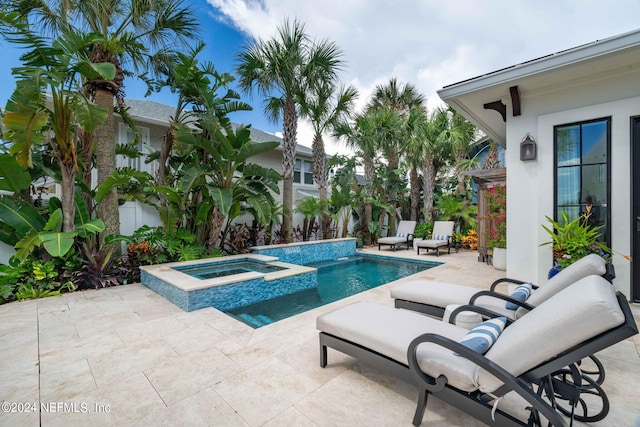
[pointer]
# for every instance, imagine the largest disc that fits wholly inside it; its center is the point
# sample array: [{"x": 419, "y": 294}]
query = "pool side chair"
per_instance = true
[
  {"x": 432, "y": 298},
  {"x": 441, "y": 237},
  {"x": 404, "y": 236},
  {"x": 575, "y": 323}
]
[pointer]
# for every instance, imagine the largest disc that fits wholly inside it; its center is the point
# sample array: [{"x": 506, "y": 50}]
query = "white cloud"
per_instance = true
[{"x": 432, "y": 44}]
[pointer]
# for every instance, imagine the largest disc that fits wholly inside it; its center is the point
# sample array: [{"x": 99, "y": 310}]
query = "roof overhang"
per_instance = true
[{"x": 488, "y": 101}]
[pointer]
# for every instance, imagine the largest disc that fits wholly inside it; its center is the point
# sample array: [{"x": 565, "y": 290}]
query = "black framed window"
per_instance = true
[{"x": 582, "y": 172}]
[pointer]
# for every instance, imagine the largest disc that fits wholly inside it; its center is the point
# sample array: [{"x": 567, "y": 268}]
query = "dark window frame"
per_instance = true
[{"x": 607, "y": 120}]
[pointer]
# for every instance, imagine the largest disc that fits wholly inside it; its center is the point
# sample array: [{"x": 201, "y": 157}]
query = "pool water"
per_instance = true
[
  {"x": 214, "y": 269},
  {"x": 337, "y": 279}
]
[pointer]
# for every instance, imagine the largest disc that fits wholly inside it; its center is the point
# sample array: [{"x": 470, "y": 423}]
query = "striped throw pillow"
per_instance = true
[
  {"x": 520, "y": 293},
  {"x": 440, "y": 237},
  {"x": 482, "y": 337}
]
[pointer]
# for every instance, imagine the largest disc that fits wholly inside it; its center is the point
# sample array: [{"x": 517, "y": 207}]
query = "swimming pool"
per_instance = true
[{"x": 337, "y": 279}]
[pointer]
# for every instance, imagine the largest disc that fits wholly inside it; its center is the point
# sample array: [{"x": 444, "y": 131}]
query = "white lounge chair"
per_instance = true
[
  {"x": 529, "y": 356},
  {"x": 441, "y": 237},
  {"x": 404, "y": 236},
  {"x": 432, "y": 297}
]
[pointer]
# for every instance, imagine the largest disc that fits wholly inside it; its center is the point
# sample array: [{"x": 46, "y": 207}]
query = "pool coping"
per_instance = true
[{"x": 187, "y": 283}]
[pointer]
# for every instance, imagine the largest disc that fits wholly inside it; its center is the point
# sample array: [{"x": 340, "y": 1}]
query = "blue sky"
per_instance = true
[
  {"x": 427, "y": 43},
  {"x": 223, "y": 42}
]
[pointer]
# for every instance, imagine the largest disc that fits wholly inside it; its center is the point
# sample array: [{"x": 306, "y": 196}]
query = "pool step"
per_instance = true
[{"x": 258, "y": 320}]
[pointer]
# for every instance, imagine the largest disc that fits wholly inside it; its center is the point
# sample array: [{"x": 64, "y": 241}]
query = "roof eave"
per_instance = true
[{"x": 545, "y": 63}]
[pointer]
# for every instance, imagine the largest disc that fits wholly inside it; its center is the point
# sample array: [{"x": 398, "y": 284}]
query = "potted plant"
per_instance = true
[
  {"x": 497, "y": 225},
  {"x": 572, "y": 240},
  {"x": 421, "y": 231}
]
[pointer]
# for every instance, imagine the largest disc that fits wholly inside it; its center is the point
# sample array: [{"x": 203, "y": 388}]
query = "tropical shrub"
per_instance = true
[
  {"x": 572, "y": 240},
  {"x": 100, "y": 267},
  {"x": 423, "y": 230},
  {"x": 470, "y": 240},
  {"x": 496, "y": 217}
]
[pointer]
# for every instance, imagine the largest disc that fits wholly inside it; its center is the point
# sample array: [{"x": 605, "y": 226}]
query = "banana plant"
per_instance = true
[
  {"x": 225, "y": 184},
  {"x": 24, "y": 228},
  {"x": 58, "y": 68}
]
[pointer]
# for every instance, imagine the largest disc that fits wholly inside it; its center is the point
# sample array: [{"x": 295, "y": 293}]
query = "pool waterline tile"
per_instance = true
[{"x": 231, "y": 292}]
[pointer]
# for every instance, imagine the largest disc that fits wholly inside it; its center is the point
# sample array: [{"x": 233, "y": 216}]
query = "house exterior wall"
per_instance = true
[
  {"x": 134, "y": 215},
  {"x": 530, "y": 184}
]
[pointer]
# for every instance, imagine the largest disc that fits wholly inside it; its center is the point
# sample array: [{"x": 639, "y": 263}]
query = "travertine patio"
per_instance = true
[{"x": 126, "y": 356}]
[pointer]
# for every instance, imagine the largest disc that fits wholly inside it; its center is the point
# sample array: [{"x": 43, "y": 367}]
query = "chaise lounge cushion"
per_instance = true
[
  {"x": 591, "y": 264},
  {"x": 442, "y": 294},
  {"x": 389, "y": 331},
  {"x": 583, "y": 310}
]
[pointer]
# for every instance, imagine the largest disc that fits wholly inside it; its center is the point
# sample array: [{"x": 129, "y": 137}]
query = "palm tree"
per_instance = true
[
  {"x": 135, "y": 33},
  {"x": 414, "y": 153},
  {"x": 436, "y": 152},
  {"x": 399, "y": 99},
  {"x": 325, "y": 106},
  {"x": 493, "y": 157},
  {"x": 55, "y": 67},
  {"x": 363, "y": 135},
  {"x": 461, "y": 134},
  {"x": 282, "y": 69}
]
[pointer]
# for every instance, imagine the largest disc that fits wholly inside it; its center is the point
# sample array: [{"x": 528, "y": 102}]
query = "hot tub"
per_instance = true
[{"x": 226, "y": 282}]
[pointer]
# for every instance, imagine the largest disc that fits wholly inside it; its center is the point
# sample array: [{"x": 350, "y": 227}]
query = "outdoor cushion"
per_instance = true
[
  {"x": 439, "y": 294},
  {"x": 482, "y": 337},
  {"x": 389, "y": 331},
  {"x": 444, "y": 237},
  {"x": 582, "y": 310},
  {"x": 431, "y": 243},
  {"x": 520, "y": 293},
  {"x": 391, "y": 240},
  {"x": 442, "y": 294},
  {"x": 586, "y": 266}
]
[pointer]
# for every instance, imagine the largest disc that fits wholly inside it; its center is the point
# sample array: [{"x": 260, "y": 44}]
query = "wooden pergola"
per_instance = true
[{"x": 485, "y": 179}]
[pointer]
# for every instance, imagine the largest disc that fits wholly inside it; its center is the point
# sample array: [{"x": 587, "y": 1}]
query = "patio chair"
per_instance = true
[
  {"x": 432, "y": 297},
  {"x": 528, "y": 358},
  {"x": 404, "y": 236},
  {"x": 441, "y": 237}
]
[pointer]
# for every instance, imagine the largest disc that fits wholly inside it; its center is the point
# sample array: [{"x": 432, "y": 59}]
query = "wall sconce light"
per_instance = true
[{"x": 528, "y": 148}]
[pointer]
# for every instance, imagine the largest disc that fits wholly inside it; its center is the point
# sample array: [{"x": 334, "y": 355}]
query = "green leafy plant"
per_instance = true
[
  {"x": 572, "y": 240},
  {"x": 423, "y": 229}
]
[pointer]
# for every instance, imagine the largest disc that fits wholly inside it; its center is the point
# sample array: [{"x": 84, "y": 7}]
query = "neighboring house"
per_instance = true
[
  {"x": 582, "y": 108},
  {"x": 152, "y": 119}
]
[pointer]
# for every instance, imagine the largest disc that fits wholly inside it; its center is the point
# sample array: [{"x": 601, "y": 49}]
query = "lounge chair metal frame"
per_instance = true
[{"x": 477, "y": 404}]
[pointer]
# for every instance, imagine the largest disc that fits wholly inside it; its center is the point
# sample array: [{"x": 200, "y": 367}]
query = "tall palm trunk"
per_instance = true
[
  {"x": 368, "y": 209},
  {"x": 414, "y": 181},
  {"x": 393, "y": 196},
  {"x": 462, "y": 187},
  {"x": 429, "y": 176},
  {"x": 68, "y": 172},
  {"x": 108, "y": 209},
  {"x": 86, "y": 148},
  {"x": 493, "y": 158},
  {"x": 320, "y": 177},
  {"x": 290, "y": 124}
]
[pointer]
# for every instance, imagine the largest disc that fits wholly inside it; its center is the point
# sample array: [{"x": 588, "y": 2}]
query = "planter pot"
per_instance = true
[
  {"x": 499, "y": 258},
  {"x": 415, "y": 242},
  {"x": 554, "y": 270}
]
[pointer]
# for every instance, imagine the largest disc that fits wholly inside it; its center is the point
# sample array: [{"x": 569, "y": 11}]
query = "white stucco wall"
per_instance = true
[{"x": 530, "y": 185}]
